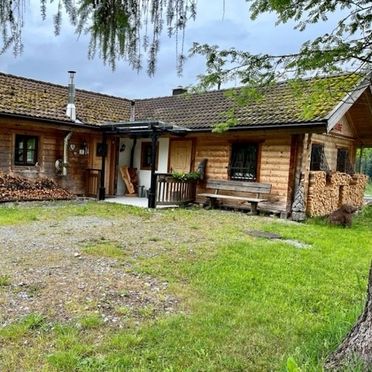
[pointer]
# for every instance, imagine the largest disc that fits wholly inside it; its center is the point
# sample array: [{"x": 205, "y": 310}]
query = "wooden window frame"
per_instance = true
[
  {"x": 146, "y": 146},
  {"x": 235, "y": 146},
  {"x": 22, "y": 138}
]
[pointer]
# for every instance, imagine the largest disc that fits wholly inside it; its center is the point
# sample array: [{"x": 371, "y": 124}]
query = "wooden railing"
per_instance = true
[
  {"x": 92, "y": 182},
  {"x": 170, "y": 191}
]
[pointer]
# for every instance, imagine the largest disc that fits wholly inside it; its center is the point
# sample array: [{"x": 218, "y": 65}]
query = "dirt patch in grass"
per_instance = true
[
  {"x": 74, "y": 274},
  {"x": 102, "y": 260},
  {"x": 69, "y": 269}
]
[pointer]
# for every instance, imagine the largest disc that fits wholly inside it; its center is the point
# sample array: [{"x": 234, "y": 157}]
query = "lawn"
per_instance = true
[
  {"x": 238, "y": 302},
  {"x": 369, "y": 189}
]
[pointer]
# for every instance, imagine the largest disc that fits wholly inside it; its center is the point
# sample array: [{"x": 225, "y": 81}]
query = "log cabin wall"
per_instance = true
[
  {"x": 326, "y": 193},
  {"x": 332, "y": 144},
  {"x": 50, "y": 148},
  {"x": 274, "y": 156},
  {"x": 341, "y": 136}
]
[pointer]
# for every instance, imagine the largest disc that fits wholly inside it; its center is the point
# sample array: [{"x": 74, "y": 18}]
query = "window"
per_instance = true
[
  {"x": 317, "y": 154},
  {"x": 146, "y": 155},
  {"x": 101, "y": 149},
  {"x": 243, "y": 164},
  {"x": 25, "y": 150},
  {"x": 342, "y": 160}
]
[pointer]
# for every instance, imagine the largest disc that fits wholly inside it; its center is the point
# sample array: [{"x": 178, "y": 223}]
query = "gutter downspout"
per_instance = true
[{"x": 65, "y": 153}]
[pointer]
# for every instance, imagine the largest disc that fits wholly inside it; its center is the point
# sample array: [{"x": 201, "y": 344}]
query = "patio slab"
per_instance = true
[{"x": 135, "y": 202}]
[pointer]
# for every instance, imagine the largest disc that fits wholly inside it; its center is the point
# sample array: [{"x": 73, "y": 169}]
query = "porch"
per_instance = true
[
  {"x": 135, "y": 202},
  {"x": 169, "y": 193}
]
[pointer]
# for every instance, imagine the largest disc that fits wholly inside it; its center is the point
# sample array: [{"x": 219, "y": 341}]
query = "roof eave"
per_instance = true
[
  {"x": 50, "y": 121},
  {"x": 347, "y": 101},
  {"x": 142, "y": 126},
  {"x": 319, "y": 126}
]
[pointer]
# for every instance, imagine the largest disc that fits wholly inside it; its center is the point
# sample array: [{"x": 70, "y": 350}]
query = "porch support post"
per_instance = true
[
  {"x": 102, "y": 190},
  {"x": 360, "y": 159},
  {"x": 152, "y": 191}
]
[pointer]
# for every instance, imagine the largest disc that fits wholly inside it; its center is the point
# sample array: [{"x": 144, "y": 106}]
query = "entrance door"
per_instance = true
[
  {"x": 96, "y": 164},
  {"x": 180, "y": 156}
]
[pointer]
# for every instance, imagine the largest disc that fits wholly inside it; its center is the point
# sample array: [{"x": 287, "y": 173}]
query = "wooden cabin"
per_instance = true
[
  {"x": 34, "y": 129},
  {"x": 305, "y": 151}
]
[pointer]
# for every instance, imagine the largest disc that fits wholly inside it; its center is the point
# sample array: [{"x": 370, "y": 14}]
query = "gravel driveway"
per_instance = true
[{"x": 49, "y": 273}]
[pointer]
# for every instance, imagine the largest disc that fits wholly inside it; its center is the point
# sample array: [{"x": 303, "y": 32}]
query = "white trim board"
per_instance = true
[{"x": 340, "y": 110}]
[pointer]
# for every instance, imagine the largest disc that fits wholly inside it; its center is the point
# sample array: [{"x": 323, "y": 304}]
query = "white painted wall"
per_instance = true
[
  {"x": 124, "y": 159},
  {"x": 144, "y": 176}
]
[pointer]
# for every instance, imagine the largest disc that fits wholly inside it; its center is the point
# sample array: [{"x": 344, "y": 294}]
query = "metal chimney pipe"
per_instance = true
[
  {"x": 132, "y": 111},
  {"x": 71, "y": 108}
]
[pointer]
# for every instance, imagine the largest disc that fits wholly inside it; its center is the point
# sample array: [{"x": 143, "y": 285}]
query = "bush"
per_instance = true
[{"x": 181, "y": 176}]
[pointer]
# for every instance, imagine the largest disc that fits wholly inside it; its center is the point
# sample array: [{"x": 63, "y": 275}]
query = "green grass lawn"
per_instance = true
[
  {"x": 247, "y": 303},
  {"x": 369, "y": 189}
]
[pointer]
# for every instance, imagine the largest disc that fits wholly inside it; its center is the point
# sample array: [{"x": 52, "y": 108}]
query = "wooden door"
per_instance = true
[
  {"x": 180, "y": 156},
  {"x": 96, "y": 163}
]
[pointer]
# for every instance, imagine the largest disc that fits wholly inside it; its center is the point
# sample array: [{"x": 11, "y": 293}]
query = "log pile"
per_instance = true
[
  {"x": 16, "y": 188},
  {"x": 329, "y": 192}
]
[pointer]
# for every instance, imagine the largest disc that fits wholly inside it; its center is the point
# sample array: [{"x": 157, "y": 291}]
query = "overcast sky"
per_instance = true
[{"x": 47, "y": 57}]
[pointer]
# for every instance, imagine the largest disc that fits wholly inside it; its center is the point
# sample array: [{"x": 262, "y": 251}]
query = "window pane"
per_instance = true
[
  {"x": 31, "y": 142},
  {"x": 148, "y": 155},
  {"x": 316, "y": 157},
  {"x": 25, "y": 152},
  {"x": 342, "y": 156},
  {"x": 243, "y": 162},
  {"x": 30, "y": 157},
  {"x": 146, "y": 149},
  {"x": 19, "y": 155}
]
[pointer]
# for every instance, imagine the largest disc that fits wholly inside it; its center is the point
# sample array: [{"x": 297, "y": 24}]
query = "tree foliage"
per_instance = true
[
  {"x": 118, "y": 29},
  {"x": 364, "y": 158},
  {"x": 131, "y": 30},
  {"x": 348, "y": 45}
]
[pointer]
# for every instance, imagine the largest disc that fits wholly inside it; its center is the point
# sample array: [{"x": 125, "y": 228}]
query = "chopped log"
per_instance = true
[
  {"x": 124, "y": 170},
  {"x": 16, "y": 188},
  {"x": 358, "y": 343}
]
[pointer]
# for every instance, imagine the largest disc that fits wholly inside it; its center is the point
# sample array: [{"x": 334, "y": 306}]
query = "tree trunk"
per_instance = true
[{"x": 358, "y": 343}]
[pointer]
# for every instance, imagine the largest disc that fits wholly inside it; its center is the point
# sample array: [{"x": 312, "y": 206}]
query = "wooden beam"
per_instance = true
[
  {"x": 339, "y": 111},
  {"x": 152, "y": 192},
  {"x": 102, "y": 189}
]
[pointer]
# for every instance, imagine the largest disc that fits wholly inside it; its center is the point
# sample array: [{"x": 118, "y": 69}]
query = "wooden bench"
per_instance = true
[{"x": 237, "y": 186}]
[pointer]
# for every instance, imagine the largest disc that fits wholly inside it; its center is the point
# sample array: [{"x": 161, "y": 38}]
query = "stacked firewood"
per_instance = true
[
  {"x": 16, "y": 188},
  {"x": 329, "y": 192}
]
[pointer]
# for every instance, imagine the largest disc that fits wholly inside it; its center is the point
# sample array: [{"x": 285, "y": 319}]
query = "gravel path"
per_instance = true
[{"x": 49, "y": 273}]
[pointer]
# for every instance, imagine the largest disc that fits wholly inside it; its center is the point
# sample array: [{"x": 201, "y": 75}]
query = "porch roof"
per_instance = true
[{"x": 142, "y": 128}]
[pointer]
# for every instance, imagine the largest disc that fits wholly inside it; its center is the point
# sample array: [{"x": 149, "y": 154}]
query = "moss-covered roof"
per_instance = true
[
  {"x": 290, "y": 102},
  {"x": 286, "y": 103},
  {"x": 38, "y": 99}
]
